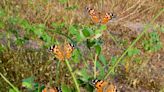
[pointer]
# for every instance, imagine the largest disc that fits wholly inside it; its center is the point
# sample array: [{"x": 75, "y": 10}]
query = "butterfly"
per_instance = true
[
  {"x": 56, "y": 89},
  {"x": 62, "y": 52},
  {"x": 97, "y": 18},
  {"x": 103, "y": 86}
]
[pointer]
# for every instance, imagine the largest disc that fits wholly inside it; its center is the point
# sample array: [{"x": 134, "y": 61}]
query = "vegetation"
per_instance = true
[{"x": 127, "y": 51}]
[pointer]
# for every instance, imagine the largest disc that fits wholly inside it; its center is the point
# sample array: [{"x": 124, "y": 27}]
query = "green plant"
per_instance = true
[
  {"x": 31, "y": 85},
  {"x": 153, "y": 43},
  {"x": 133, "y": 43}
]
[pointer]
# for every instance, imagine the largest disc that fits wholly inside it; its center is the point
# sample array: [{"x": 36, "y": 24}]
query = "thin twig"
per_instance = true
[
  {"x": 131, "y": 7},
  {"x": 134, "y": 12},
  {"x": 15, "y": 88},
  {"x": 73, "y": 76}
]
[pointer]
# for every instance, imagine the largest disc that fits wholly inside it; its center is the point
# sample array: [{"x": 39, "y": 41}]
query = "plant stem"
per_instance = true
[
  {"x": 134, "y": 42},
  {"x": 73, "y": 76},
  {"x": 15, "y": 88},
  {"x": 95, "y": 66},
  {"x": 58, "y": 72}
]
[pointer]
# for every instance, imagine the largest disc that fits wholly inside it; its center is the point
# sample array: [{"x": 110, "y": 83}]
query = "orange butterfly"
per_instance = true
[
  {"x": 103, "y": 86},
  {"x": 62, "y": 52},
  {"x": 99, "y": 19},
  {"x": 56, "y": 89}
]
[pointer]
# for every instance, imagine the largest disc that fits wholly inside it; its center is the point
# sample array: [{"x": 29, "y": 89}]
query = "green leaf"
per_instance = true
[
  {"x": 20, "y": 41},
  {"x": 98, "y": 64},
  {"x": 13, "y": 20},
  {"x": 98, "y": 35},
  {"x": 45, "y": 37},
  {"x": 113, "y": 60},
  {"x": 71, "y": 7},
  {"x": 98, "y": 49},
  {"x": 100, "y": 69},
  {"x": 13, "y": 90},
  {"x": 133, "y": 51},
  {"x": 102, "y": 59},
  {"x": 103, "y": 27},
  {"x": 65, "y": 88},
  {"x": 2, "y": 48},
  {"x": 73, "y": 30},
  {"x": 25, "y": 24},
  {"x": 84, "y": 76},
  {"x": 2, "y": 13},
  {"x": 90, "y": 43},
  {"x": 162, "y": 29},
  {"x": 2, "y": 25},
  {"x": 54, "y": 24},
  {"x": 86, "y": 32},
  {"x": 76, "y": 56},
  {"x": 28, "y": 82},
  {"x": 63, "y": 1},
  {"x": 102, "y": 73},
  {"x": 81, "y": 36}
]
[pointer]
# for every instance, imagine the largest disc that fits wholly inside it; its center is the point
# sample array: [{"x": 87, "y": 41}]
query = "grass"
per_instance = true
[{"x": 28, "y": 29}]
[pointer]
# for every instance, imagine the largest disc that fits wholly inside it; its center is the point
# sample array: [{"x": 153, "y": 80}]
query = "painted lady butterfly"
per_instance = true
[
  {"x": 103, "y": 86},
  {"x": 99, "y": 19},
  {"x": 56, "y": 89},
  {"x": 62, "y": 52}
]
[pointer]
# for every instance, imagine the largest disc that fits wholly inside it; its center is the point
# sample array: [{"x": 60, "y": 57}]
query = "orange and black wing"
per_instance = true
[
  {"x": 107, "y": 18},
  {"x": 111, "y": 88},
  {"x": 57, "y": 51},
  {"x": 99, "y": 85},
  {"x": 68, "y": 49},
  {"x": 56, "y": 89},
  {"x": 94, "y": 16}
]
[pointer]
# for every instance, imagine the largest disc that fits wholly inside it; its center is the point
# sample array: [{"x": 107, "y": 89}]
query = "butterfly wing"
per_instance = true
[
  {"x": 58, "y": 53},
  {"x": 68, "y": 49},
  {"x": 111, "y": 88},
  {"x": 99, "y": 85},
  {"x": 56, "y": 89},
  {"x": 94, "y": 16},
  {"x": 106, "y": 18}
]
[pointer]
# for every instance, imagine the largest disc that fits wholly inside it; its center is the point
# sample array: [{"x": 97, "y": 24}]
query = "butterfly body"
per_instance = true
[
  {"x": 98, "y": 18},
  {"x": 62, "y": 52},
  {"x": 103, "y": 86}
]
